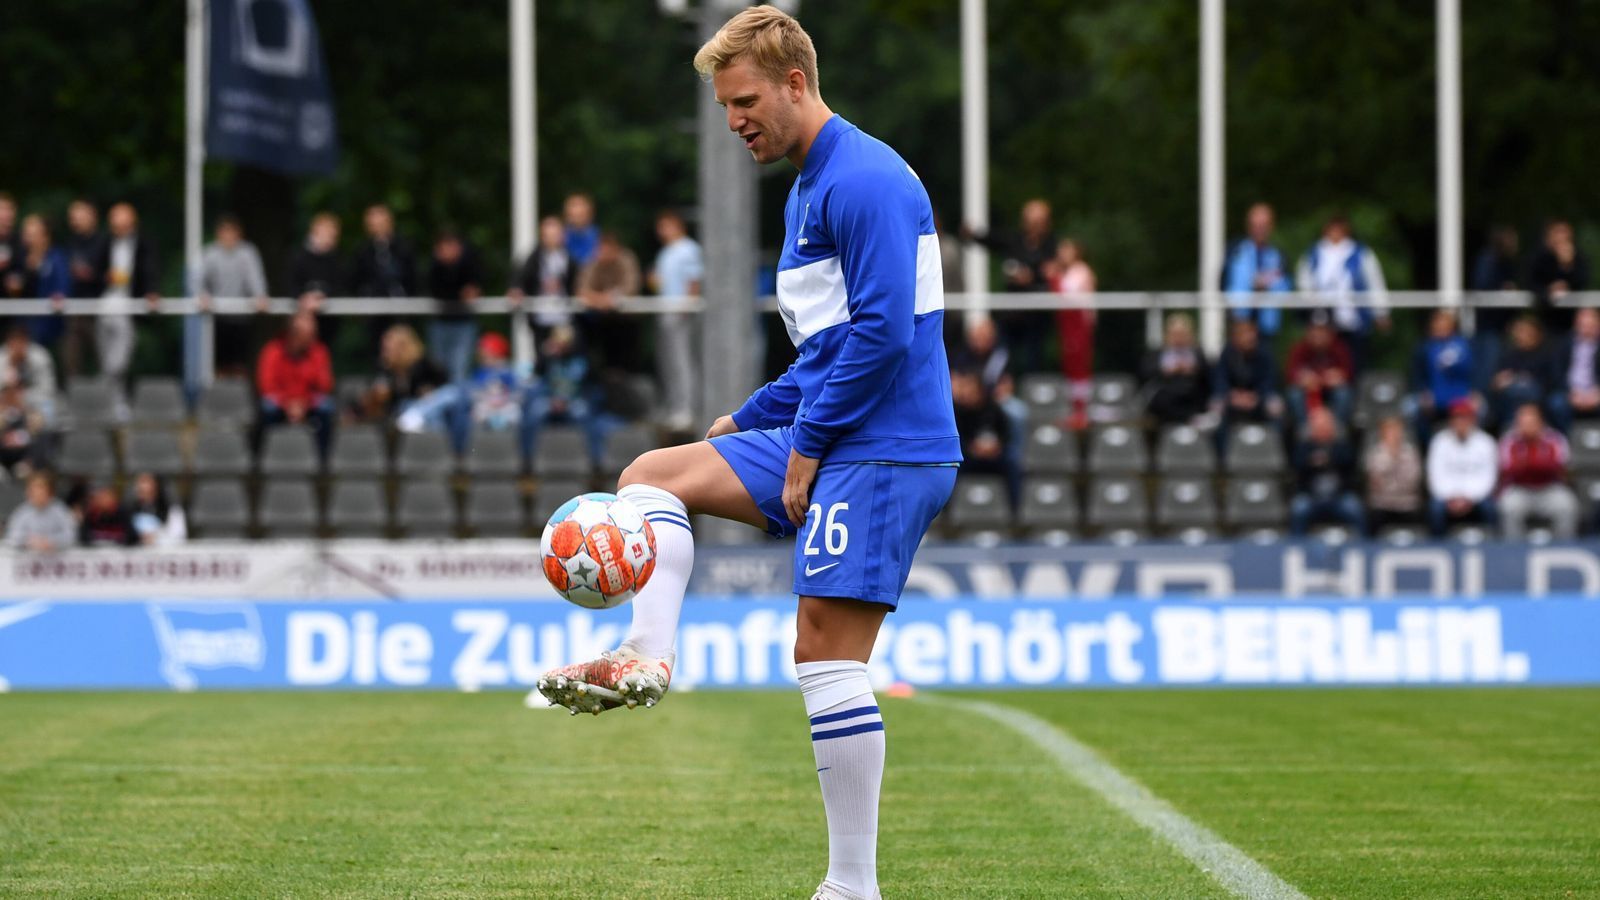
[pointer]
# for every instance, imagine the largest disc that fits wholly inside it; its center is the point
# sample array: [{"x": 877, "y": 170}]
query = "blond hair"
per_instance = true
[{"x": 772, "y": 41}]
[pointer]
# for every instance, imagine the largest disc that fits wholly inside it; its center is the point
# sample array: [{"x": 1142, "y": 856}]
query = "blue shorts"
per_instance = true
[{"x": 864, "y": 523}]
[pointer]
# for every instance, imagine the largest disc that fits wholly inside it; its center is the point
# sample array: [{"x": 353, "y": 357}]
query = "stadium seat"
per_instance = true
[
  {"x": 219, "y": 510},
  {"x": 551, "y": 494},
  {"x": 1117, "y": 449},
  {"x": 494, "y": 454},
  {"x": 1255, "y": 505},
  {"x": 288, "y": 450},
  {"x": 1186, "y": 507},
  {"x": 425, "y": 454},
  {"x": 1584, "y": 443},
  {"x": 288, "y": 509},
  {"x": 1378, "y": 395},
  {"x": 359, "y": 451},
  {"x": 91, "y": 403},
  {"x": 228, "y": 401},
  {"x": 220, "y": 452},
  {"x": 357, "y": 508},
  {"x": 11, "y": 497},
  {"x": 1046, "y": 395},
  {"x": 710, "y": 531},
  {"x": 627, "y": 444},
  {"x": 351, "y": 391},
  {"x": 426, "y": 509},
  {"x": 154, "y": 451},
  {"x": 1255, "y": 450},
  {"x": 562, "y": 452},
  {"x": 159, "y": 401},
  {"x": 494, "y": 509},
  {"x": 1588, "y": 490},
  {"x": 1114, "y": 398},
  {"x": 1049, "y": 509},
  {"x": 979, "y": 506},
  {"x": 1185, "y": 450},
  {"x": 87, "y": 452},
  {"x": 1118, "y": 508},
  {"x": 1050, "y": 450}
]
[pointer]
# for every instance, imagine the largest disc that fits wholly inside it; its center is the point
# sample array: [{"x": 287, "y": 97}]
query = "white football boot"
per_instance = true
[
  {"x": 826, "y": 891},
  {"x": 620, "y": 677}
]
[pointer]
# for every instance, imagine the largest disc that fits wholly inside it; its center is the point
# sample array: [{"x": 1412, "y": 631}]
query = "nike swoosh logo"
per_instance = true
[{"x": 810, "y": 571}]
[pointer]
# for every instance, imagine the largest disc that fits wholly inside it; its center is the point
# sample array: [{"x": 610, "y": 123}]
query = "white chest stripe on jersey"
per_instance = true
[{"x": 812, "y": 297}]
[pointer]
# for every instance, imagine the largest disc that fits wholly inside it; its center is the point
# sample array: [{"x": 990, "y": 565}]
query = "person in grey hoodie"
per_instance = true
[{"x": 43, "y": 524}]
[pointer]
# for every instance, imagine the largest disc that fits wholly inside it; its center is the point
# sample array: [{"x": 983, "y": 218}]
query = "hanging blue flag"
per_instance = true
[{"x": 269, "y": 102}]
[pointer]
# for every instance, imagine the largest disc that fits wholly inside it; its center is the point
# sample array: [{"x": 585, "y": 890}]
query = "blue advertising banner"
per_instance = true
[
  {"x": 269, "y": 102},
  {"x": 746, "y": 644}
]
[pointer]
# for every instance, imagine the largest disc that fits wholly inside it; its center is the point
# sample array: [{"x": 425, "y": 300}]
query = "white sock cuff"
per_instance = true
[
  {"x": 657, "y": 505},
  {"x": 825, "y": 685}
]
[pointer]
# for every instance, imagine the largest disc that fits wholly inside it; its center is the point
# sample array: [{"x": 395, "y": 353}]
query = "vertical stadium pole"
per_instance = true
[
  {"x": 974, "y": 143},
  {"x": 198, "y": 330},
  {"x": 524, "y": 163},
  {"x": 1212, "y": 179},
  {"x": 728, "y": 233},
  {"x": 1451, "y": 264}
]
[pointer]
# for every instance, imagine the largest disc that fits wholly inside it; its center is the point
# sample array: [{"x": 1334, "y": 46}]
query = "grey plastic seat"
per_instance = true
[
  {"x": 627, "y": 444},
  {"x": 1588, "y": 490},
  {"x": 1187, "y": 504},
  {"x": 979, "y": 504},
  {"x": 288, "y": 450},
  {"x": 562, "y": 452},
  {"x": 1114, "y": 398},
  {"x": 357, "y": 508},
  {"x": 426, "y": 509},
  {"x": 87, "y": 452},
  {"x": 1185, "y": 450},
  {"x": 1378, "y": 394},
  {"x": 220, "y": 452},
  {"x": 1049, "y": 507},
  {"x": 228, "y": 401},
  {"x": 494, "y": 509},
  {"x": 425, "y": 454},
  {"x": 551, "y": 494},
  {"x": 156, "y": 451},
  {"x": 1256, "y": 503},
  {"x": 287, "y": 509},
  {"x": 1046, "y": 395},
  {"x": 1117, "y": 449},
  {"x": 351, "y": 390},
  {"x": 91, "y": 403},
  {"x": 358, "y": 451},
  {"x": 1255, "y": 450},
  {"x": 1118, "y": 507},
  {"x": 1050, "y": 450},
  {"x": 494, "y": 454},
  {"x": 219, "y": 509},
  {"x": 159, "y": 401},
  {"x": 1584, "y": 443}
]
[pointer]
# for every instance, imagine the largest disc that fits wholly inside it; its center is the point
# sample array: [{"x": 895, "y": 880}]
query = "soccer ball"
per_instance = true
[{"x": 598, "y": 551}]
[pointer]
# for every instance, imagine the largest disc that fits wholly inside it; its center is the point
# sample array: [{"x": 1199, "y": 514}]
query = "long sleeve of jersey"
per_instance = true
[
  {"x": 874, "y": 226},
  {"x": 771, "y": 406}
]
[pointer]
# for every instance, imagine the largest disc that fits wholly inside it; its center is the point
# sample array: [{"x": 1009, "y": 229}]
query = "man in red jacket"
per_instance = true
[
  {"x": 1533, "y": 472},
  {"x": 294, "y": 378}
]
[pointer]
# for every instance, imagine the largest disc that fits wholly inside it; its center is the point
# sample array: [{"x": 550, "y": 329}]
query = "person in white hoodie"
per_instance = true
[
  {"x": 1463, "y": 467},
  {"x": 1337, "y": 268}
]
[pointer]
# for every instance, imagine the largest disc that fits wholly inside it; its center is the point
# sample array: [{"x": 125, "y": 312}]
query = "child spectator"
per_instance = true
[
  {"x": 1323, "y": 465},
  {"x": 157, "y": 520},
  {"x": 1394, "y": 478},
  {"x": 1074, "y": 278},
  {"x": 294, "y": 379},
  {"x": 43, "y": 524},
  {"x": 1533, "y": 472},
  {"x": 1462, "y": 471},
  {"x": 1320, "y": 371},
  {"x": 106, "y": 523},
  {"x": 1526, "y": 371},
  {"x": 1176, "y": 378}
]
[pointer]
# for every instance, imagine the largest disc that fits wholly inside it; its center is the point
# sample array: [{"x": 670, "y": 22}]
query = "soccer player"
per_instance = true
[{"x": 853, "y": 450}]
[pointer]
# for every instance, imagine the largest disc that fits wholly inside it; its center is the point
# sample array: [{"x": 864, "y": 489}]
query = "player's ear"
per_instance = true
[{"x": 796, "y": 84}]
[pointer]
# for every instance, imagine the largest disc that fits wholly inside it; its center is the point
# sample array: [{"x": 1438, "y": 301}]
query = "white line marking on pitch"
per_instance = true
[{"x": 1216, "y": 857}]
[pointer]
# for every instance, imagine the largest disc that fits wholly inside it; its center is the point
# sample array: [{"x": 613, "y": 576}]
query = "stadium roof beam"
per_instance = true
[{"x": 975, "y": 141}]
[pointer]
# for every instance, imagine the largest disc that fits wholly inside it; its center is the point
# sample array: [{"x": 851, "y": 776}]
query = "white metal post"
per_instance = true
[
  {"x": 524, "y": 163},
  {"x": 974, "y": 141},
  {"x": 198, "y": 330},
  {"x": 1212, "y": 179},
  {"x": 1451, "y": 263}
]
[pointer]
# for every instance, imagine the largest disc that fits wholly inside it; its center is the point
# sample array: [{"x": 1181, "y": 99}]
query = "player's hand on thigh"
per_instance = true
[
  {"x": 797, "y": 486},
  {"x": 722, "y": 426}
]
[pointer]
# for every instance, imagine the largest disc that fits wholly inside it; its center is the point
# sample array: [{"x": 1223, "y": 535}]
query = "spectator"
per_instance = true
[
  {"x": 10, "y": 246},
  {"x": 128, "y": 260},
  {"x": 1320, "y": 371},
  {"x": 455, "y": 280},
  {"x": 85, "y": 247},
  {"x": 106, "y": 522},
  {"x": 1497, "y": 268},
  {"x": 315, "y": 270},
  {"x": 1441, "y": 373},
  {"x": 1557, "y": 270},
  {"x": 495, "y": 399},
  {"x": 1462, "y": 471},
  {"x": 582, "y": 234},
  {"x": 385, "y": 266},
  {"x": 41, "y": 273},
  {"x": 20, "y": 428},
  {"x": 405, "y": 375},
  {"x": 1073, "y": 277},
  {"x": 1247, "y": 378},
  {"x": 1323, "y": 466},
  {"x": 43, "y": 524},
  {"x": 1394, "y": 478},
  {"x": 1533, "y": 472},
  {"x": 1255, "y": 265},
  {"x": 294, "y": 379},
  {"x": 1024, "y": 255},
  {"x": 1577, "y": 371},
  {"x": 1344, "y": 272},
  {"x": 157, "y": 521},
  {"x": 564, "y": 393},
  {"x": 1176, "y": 378},
  {"x": 549, "y": 271},
  {"x": 678, "y": 272},
  {"x": 230, "y": 266},
  {"x": 610, "y": 276},
  {"x": 28, "y": 367},
  {"x": 1526, "y": 373},
  {"x": 984, "y": 355},
  {"x": 985, "y": 432}
]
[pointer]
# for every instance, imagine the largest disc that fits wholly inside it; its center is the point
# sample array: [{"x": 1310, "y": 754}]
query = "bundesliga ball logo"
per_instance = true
[{"x": 598, "y": 551}]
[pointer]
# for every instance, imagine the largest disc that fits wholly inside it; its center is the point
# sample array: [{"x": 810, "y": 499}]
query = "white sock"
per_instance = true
[
  {"x": 656, "y": 608},
  {"x": 847, "y": 738}
]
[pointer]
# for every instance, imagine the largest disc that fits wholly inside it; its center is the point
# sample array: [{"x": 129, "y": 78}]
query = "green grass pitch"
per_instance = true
[{"x": 1350, "y": 794}]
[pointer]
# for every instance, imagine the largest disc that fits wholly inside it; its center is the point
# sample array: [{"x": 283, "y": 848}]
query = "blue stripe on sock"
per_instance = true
[
  {"x": 861, "y": 728},
  {"x": 841, "y": 716},
  {"x": 669, "y": 518}
]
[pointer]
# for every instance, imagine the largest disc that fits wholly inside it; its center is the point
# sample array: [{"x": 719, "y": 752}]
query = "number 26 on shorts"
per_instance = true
[{"x": 835, "y": 535}]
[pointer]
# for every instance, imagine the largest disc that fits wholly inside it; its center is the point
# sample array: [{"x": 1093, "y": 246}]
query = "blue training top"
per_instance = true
[{"x": 861, "y": 291}]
